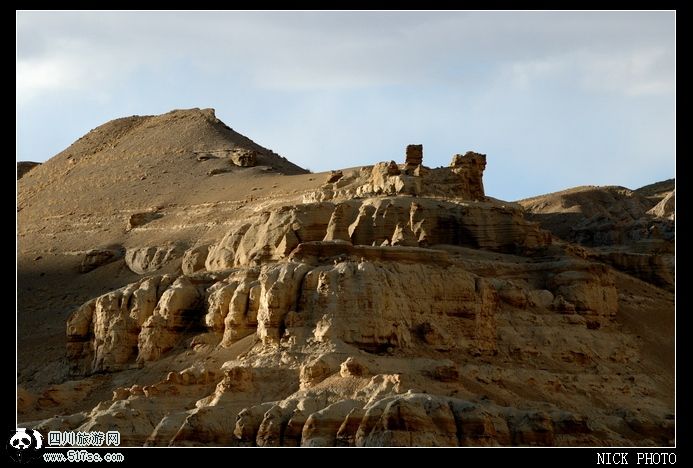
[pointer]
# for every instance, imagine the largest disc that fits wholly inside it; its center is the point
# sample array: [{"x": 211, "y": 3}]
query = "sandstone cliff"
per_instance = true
[{"x": 185, "y": 286}]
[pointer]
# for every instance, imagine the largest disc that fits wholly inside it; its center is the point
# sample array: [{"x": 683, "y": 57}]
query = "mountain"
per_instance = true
[
  {"x": 633, "y": 230},
  {"x": 185, "y": 286}
]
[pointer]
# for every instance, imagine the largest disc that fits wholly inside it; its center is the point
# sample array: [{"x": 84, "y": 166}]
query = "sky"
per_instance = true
[{"x": 555, "y": 99}]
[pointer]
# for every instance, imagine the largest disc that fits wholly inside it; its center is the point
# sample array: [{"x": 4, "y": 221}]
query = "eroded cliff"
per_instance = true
[{"x": 392, "y": 305}]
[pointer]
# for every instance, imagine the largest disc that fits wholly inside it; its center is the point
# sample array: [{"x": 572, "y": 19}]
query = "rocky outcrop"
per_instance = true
[
  {"x": 341, "y": 302},
  {"x": 462, "y": 180},
  {"x": 334, "y": 177},
  {"x": 136, "y": 220},
  {"x": 286, "y": 301},
  {"x": 353, "y": 367},
  {"x": 666, "y": 208},
  {"x": 243, "y": 157},
  {"x": 96, "y": 258},
  {"x": 632, "y": 230},
  {"x": 279, "y": 294},
  {"x": 194, "y": 259},
  {"x": 140, "y": 320},
  {"x": 414, "y": 156},
  {"x": 598, "y": 216},
  {"x": 177, "y": 313},
  {"x": 387, "y": 319},
  {"x": 382, "y": 413},
  {"x": 655, "y": 268},
  {"x": 321, "y": 427},
  {"x": 409, "y": 420},
  {"x": 470, "y": 167},
  {"x": 145, "y": 260},
  {"x": 239, "y": 156},
  {"x": 590, "y": 290},
  {"x": 395, "y": 221}
]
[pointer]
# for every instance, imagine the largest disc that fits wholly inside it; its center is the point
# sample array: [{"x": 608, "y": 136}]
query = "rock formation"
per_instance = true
[
  {"x": 631, "y": 230},
  {"x": 414, "y": 156},
  {"x": 388, "y": 305},
  {"x": 461, "y": 181}
]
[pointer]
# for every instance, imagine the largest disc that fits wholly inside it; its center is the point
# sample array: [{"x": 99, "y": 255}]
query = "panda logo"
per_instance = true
[{"x": 22, "y": 440}]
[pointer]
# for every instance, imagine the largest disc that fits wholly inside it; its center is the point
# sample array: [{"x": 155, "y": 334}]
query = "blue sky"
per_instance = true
[{"x": 555, "y": 99}]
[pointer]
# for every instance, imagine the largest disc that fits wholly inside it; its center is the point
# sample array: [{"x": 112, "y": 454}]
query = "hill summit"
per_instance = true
[{"x": 179, "y": 133}]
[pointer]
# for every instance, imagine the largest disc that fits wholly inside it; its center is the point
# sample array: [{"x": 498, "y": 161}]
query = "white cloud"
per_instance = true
[
  {"x": 647, "y": 71},
  {"x": 337, "y": 89},
  {"x": 289, "y": 51},
  {"x": 36, "y": 76},
  {"x": 525, "y": 74}
]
